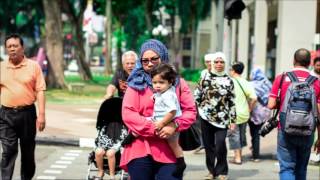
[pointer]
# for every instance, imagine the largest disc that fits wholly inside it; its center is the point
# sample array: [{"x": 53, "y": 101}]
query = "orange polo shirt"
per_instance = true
[{"x": 20, "y": 83}]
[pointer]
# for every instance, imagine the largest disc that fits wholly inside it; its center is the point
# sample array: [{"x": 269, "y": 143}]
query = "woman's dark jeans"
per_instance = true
[
  {"x": 146, "y": 168},
  {"x": 255, "y": 139}
]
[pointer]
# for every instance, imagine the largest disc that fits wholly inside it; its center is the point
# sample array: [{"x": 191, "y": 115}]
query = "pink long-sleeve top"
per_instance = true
[{"x": 136, "y": 108}]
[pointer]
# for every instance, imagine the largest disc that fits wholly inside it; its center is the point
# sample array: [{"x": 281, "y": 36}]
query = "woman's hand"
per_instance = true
[
  {"x": 317, "y": 146},
  {"x": 167, "y": 131}
]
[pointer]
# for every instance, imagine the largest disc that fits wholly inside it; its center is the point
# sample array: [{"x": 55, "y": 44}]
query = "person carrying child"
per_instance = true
[{"x": 166, "y": 108}]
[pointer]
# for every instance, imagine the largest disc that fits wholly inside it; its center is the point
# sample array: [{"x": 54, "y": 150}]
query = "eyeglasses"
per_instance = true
[
  {"x": 221, "y": 62},
  {"x": 153, "y": 60}
]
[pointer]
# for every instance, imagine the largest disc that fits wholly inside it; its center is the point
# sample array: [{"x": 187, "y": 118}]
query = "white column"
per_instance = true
[
  {"x": 233, "y": 40},
  {"x": 227, "y": 43},
  {"x": 260, "y": 34},
  {"x": 296, "y": 29},
  {"x": 213, "y": 29},
  {"x": 243, "y": 40}
]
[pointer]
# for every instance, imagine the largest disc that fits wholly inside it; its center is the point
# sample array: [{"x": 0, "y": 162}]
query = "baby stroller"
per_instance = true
[{"x": 109, "y": 120}]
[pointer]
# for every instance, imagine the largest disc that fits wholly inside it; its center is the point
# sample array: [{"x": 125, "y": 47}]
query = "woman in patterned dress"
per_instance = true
[{"x": 215, "y": 100}]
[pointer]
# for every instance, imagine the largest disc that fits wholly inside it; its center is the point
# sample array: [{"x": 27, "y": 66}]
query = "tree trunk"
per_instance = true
[
  {"x": 108, "y": 44},
  {"x": 84, "y": 68},
  {"x": 193, "y": 43},
  {"x": 175, "y": 43},
  {"x": 54, "y": 43},
  {"x": 148, "y": 8}
]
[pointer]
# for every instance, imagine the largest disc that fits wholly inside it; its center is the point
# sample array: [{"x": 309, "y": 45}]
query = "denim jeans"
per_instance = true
[
  {"x": 145, "y": 168},
  {"x": 293, "y": 154},
  {"x": 255, "y": 139}
]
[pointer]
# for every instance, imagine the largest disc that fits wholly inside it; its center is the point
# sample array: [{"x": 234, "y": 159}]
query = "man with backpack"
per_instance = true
[{"x": 299, "y": 103}]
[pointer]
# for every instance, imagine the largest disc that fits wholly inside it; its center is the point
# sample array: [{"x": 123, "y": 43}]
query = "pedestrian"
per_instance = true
[
  {"x": 119, "y": 80},
  {"x": 293, "y": 151},
  {"x": 149, "y": 156},
  {"x": 316, "y": 67},
  {"x": 166, "y": 108},
  {"x": 207, "y": 62},
  {"x": 214, "y": 97},
  {"x": 245, "y": 100},
  {"x": 21, "y": 84},
  {"x": 107, "y": 145},
  {"x": 260, "y": 113}
]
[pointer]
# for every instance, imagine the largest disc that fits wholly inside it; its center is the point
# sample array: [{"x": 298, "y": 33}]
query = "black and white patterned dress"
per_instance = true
[{"x": 111, "y": 137}]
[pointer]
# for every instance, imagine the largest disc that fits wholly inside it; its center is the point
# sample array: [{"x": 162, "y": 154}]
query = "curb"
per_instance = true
[{"x": 56, "y": 141}]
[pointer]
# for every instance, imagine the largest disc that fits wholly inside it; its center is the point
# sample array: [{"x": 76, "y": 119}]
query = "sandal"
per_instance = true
[{"x": 232, "y": 161}]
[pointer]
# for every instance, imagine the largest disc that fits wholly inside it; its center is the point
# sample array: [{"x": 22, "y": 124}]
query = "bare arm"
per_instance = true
[
  {"x": 272, "y": 103},
  {"x": 41, "y": 120},
  {"x": 110, "y": 91},
  {"x": 166, "y": 119},
  {"x": 252, "y": 103}
]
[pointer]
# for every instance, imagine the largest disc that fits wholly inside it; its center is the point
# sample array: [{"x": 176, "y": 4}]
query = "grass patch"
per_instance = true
[{"x": 92, "y": 91}]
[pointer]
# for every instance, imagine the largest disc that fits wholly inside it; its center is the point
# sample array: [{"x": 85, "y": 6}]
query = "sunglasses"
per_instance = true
[
  {"x": 221, "y": 62},
  {"x": 153, "y": 60}
]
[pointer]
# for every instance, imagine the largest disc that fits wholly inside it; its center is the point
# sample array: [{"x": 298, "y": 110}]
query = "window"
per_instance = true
[
  {"x": 186, "y": 61},
  {"x": 186, "y": 43}
]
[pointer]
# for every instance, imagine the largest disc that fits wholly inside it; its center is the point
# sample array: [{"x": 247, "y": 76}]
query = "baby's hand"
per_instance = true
[{"x": 158, "y": 125}]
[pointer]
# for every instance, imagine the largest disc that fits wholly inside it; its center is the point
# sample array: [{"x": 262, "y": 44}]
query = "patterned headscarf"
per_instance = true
[
  {"x": 261, "y": 84},
  {"x": 139, "y": 79}
]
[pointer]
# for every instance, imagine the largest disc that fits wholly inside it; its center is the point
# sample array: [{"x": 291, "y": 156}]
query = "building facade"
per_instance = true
[{"x": 267, "y": 35}]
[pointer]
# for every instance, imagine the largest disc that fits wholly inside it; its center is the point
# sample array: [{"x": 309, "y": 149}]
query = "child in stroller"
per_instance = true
[{"x": 111, "y": 132}]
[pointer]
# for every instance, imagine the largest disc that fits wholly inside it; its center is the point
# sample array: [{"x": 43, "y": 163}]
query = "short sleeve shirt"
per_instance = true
[
  {"x": 120, "y": 77},
  {"x": 242, "y": 106},
  {"x": 302, "y": 75},
  {"x": 166, "y": 102},
  {"x": 20, "y": 83}
]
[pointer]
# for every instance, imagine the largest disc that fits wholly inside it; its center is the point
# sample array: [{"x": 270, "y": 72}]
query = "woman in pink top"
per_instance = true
[{"x": 150, "y": 156}]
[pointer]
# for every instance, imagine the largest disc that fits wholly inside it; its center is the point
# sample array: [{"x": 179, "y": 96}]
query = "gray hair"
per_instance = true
[{"x": 129, "y": 53}]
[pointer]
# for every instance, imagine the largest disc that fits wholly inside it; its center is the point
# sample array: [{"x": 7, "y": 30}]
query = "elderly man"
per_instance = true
[
  {"x": 119, "y": 81},
  {"x": 21, "y": 84}
]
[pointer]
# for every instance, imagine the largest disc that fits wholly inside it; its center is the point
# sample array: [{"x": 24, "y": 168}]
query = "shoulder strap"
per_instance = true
[
  {"x": 241, "y": 88},
  {"x": 292, "y": 77},
  {"x": 275, "y": 113},
  {"x": 310, "y": 79}
]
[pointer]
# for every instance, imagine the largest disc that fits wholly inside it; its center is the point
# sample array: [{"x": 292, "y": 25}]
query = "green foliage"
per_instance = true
[
  {"x": 192, "y": 11},
  {"x": 21, "y": 16},
  {"x": 191, "y": 74},
  {"x": 135, "y": 28}
]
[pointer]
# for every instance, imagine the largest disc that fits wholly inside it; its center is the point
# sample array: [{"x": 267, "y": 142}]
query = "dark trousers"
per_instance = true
[
  {"x": 14, "y": 125},
  {"x": 146, "y": 168},
  {"x": 214, "y": 140},
  {"x": 255, "y": 139}
]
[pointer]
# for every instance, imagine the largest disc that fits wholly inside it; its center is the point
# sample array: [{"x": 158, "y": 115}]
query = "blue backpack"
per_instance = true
[{"x": 300, "y": 107}]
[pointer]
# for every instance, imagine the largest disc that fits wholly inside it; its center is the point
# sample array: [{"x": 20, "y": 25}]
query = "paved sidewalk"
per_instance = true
[{"x": 75, "y": 125}]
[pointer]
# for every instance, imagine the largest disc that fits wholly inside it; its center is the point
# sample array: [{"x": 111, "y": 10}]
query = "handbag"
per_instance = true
[{"x": 189, "y": 139}]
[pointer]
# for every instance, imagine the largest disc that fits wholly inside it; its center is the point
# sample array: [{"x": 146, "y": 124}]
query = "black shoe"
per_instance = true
[
  {"x": 128, "y": 140},
  {"x": 180, "y": 167}
]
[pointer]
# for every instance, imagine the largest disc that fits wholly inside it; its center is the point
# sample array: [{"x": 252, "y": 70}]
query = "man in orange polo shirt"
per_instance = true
[{"x": 21, "y": 84}]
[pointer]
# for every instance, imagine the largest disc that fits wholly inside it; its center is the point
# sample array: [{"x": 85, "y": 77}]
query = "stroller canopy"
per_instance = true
[{"x": 110, "y": 111}]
